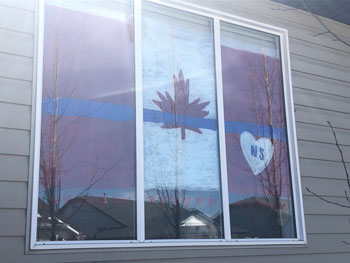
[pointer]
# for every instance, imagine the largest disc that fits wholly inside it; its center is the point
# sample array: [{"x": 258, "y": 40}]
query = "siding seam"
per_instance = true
[
  {"x": 16, "y": 55},
  {"x": 319, "y": 159},
  {"x": 320, "y": 60},
  {"x": 17, "y": 31},
  {"x": 322, "y": 92},
  {"x": 15, "y": 103},
  {"x": 321, "y": 142},
  {"x": 320, "y": 76},
  {"x": 321, "y": 125},
  {"x": 320, "y": 108},
  {"x": 17, "y": 8}
]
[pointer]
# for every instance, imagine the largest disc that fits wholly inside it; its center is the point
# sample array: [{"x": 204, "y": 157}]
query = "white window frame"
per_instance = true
[{"x": 216, "y": 17}]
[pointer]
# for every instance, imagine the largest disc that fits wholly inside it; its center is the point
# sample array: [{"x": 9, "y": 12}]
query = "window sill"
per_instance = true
[{"x": 72, "y": 245}]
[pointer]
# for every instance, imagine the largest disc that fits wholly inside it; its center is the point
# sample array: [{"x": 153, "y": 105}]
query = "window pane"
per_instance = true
[
  {"x": 256, "y": 137},
  {"x": 87, "y": 166},
  {"x": 182, "y": 177}
]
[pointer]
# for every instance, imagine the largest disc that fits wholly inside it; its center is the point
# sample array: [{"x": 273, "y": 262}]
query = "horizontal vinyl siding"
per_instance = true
[
  {"x": 320, "y": 116},
  {"x": 311, "y": 132},
  {"x": 324, "y": 187},
  {"x": 322, "y": 168},
  {"x": 310, "y": 82},
  {"x": 320, "y": 68},
  {"x": 17, "y": 43},
  {"x": 16, "y": 67},
  {"x": 16, "y": 19},
  {"x": 322, "y": 151},
  {"x": 19, "y": 117},
  {"x": 28, "y": 5},
  {"x": 12, "y": 223},
  {"x": 13, "y": 195},
  {"x": 321, "y": 86},
  {"x": 14, "y": 142},
  {"x": 14, "y": 168},
  {"x": 315, "y": 206},
  {"x": 317, "y": 52},
  {"x": 15, "y": 91},
  {"x": 321, "y": 242}
]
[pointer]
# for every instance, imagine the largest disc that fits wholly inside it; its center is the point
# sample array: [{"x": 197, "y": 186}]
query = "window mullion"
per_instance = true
[
  {"x": 221, "y": 130},
  {"x": 140, "y": 204}
]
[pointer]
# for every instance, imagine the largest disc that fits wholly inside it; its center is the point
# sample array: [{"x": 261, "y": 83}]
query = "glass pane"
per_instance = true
[
  {"x": 182, "y": 177},
  {"x": 87, "y": 166},
  {"x": 258, "y": 166}
]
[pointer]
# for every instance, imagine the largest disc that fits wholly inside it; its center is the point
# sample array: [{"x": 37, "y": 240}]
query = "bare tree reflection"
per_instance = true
[
  {"x": 265, "y": 86},
  {"x": 57, "y": 137}
]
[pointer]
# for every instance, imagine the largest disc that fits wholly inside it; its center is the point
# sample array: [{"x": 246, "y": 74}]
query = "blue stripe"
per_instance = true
[
  {"x": 118, "y": 112},
  {"x": 255, "y": 129},
  {"x": 91, "y": 109}
]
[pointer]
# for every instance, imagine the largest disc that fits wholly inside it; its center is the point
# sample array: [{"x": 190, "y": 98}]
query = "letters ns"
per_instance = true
[{"x": 254, "y": 152}]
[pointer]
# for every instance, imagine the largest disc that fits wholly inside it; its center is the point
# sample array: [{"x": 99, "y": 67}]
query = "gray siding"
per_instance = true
[{"x": 321, "y": 86}]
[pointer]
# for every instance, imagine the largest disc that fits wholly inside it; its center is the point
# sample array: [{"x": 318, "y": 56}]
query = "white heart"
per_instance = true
[{"x": 258, "y": 153}]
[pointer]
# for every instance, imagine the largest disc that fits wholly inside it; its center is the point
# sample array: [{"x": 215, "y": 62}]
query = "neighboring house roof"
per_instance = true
[
  {"x": 123, "y": 211},
  {"x": 252, "y": 217},
  {"x": 338, "y": 10},
  {"x": 43, "y": 208},
  {"x": 120, "y": 210}
]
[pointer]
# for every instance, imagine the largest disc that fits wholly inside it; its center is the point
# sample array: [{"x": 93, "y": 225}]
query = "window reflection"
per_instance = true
[
  {"x": 87, "y": 165},
  {"x": 182, "y": 176},
  {"x": 258, "y": 170}
]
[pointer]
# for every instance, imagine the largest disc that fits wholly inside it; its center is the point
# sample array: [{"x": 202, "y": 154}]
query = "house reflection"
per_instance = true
[
  {"x": 256, "y": 218},
  {"x": 104, "y": 218},
  {"x": 192, "y": 224},
  {"x": 100, "y": 218}
]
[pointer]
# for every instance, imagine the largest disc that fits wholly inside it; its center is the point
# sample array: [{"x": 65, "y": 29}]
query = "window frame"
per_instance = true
[{"x": 216, "y": 17}]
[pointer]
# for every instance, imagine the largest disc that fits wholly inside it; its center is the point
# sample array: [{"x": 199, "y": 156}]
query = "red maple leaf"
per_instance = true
[{"x": 181, "y": 105}]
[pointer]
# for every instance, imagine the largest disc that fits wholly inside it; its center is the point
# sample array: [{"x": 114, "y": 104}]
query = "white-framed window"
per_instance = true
[{"x": 162, "y": 124}]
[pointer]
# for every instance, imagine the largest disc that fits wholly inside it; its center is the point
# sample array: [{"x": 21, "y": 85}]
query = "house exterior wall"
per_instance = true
[{"x": 321, "y": 87}]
